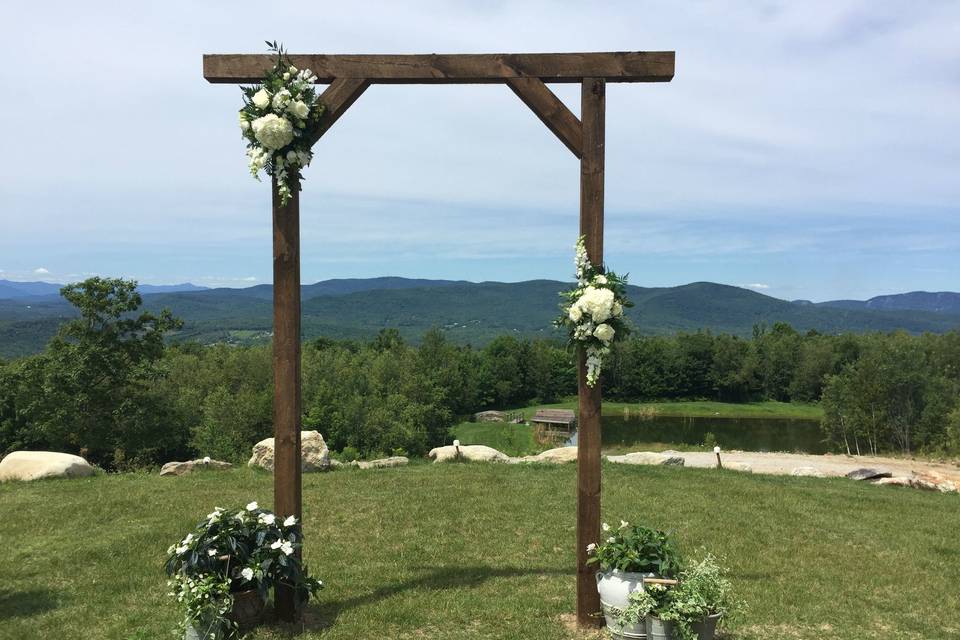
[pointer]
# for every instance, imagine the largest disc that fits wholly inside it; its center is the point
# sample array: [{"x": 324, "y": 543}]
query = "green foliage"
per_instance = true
[
  {"x": 704, "y": 589},
  {"x": 635, "y": 549},
  {"x": 94, "y": 389},
  {"x": 236, "y": 550}
]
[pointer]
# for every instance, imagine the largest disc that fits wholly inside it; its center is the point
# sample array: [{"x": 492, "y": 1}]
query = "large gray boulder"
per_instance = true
[
  {"x": 201, "y": 464},
  {"x": 34, "y": 465},
  {"x": 467, "y": 453},
  {"x": 868, "y": 474},
  {"x": 649, "y": 458},
  {"x": 314, "y": 454}
]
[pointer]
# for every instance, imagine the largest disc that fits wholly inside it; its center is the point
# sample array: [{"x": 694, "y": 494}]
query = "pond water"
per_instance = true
[{"x": 747, "y": 434}]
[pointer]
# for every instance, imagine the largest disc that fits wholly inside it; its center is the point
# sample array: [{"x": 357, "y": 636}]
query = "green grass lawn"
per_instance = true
[
  {"x": 694, "y": 409},
  {"x": 486, "y": 551},
  {"x": 511, "y": 439}
]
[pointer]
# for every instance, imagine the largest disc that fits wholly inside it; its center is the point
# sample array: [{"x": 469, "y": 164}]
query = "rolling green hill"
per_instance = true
[{"x": 468, "y": 312}]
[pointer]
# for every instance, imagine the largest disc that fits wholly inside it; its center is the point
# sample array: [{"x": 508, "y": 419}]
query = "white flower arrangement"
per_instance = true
[
  {"x": 278, "y": 119},
  {"x": 593, "y": 312},
  {"x": 236, "y": 550}
]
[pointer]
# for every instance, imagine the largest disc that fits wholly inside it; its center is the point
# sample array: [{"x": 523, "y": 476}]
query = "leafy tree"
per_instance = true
[{"x": 98, "y": 373}]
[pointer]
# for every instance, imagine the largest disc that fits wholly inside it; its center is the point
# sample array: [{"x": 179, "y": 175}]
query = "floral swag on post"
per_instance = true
[
  {"x": 593, "y": 311},
  {"x": 278, "y": 119}
]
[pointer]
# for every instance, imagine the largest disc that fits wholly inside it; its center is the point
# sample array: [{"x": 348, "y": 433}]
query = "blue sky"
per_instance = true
[{"x": 807, "y": 150}]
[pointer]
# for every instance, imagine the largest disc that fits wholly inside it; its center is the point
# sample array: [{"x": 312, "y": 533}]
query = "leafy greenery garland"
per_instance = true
[
  {"x": 593, "y": 311},
  {"x": 635, "y": 549},
  {"x": 278, "y": 120},
  {"x": 231, "y": 551}
]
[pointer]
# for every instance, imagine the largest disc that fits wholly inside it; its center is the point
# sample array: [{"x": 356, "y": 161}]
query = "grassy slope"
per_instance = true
[
  {"x": 486, "y": 551},
  {"x": 769, "y": 409}
]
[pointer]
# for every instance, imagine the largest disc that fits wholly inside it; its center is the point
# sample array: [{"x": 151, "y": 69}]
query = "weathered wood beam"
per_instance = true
[
  {"x": 337, "y": 98},
  {"x": 592, "y": 111},
  {"x": 551, "y": 111},
  {"x": 287, "y": 496},
  {"x": 619, "y": 66}
]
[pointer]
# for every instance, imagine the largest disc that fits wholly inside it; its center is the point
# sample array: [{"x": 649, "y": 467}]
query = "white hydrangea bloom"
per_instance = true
[{"x": 272, "y": 131}]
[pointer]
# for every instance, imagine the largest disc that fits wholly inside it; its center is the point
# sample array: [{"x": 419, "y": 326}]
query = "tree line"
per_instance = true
[{"x": 110, "y": 388}]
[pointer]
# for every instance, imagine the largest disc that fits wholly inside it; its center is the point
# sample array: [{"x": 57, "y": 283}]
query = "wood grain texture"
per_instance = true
[
  {"x": 287, "y": 493},
  {"x": 592, "y": 109},
  {"x": 617, "y": 66},
  {"x": 551, "y": 111},
  {"x": 337, "y": 98}
]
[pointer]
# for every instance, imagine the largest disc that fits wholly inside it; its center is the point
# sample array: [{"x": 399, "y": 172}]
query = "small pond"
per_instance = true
[{"x": 747, "y": 434}]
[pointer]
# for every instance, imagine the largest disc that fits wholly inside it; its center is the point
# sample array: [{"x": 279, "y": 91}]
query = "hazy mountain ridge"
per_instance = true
[
  {"x": 468, "y": 312},
  {"x": 937, "y": 302}
]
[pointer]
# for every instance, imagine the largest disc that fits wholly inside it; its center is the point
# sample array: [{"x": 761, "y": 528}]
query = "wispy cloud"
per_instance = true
[
  {"x": 756, "y": 285},
  {"x": 40, "y": 271},
  {"x": 801, "y": 144}
]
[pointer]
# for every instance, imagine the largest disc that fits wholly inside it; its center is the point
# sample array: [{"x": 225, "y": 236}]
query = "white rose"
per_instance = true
[
  {"x": 292, "y": 157},
  {"x": 303, "y": 157},
  {"x": 286, "y": 76},
  {"x": 261, "y": 99},
  {"x": 617, "y": 309},
  {"x": 252, "y": 506},
  {"x": 247, "y": 573},
  {"x": 600, "y": 279},
  {"x": 575, "y": 313},
  {"x": 267, "y": 518},
  {"x": 604, "y": 333},
  {"x": 591, "y": 547},
  {"x": 293, "y": 69},
  {"x": 272, "y": 131},
  {"x": 299, "y": 108},
  {"x": 605, "y": 527},
  {"x": 290, "y": 521}
]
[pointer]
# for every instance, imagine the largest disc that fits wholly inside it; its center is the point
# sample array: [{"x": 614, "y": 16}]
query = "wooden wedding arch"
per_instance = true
[{"x": 526, "y": 74}]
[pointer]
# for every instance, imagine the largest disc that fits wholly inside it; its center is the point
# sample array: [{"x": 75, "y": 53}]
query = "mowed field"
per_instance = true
[{"x": 487, "y": 551}]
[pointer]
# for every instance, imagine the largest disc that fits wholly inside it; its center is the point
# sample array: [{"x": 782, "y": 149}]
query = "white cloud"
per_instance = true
[
  {"x": 40, "y": 271},
  {"x": 756, "y": 285},
  {"x": 249, "y": 279}
]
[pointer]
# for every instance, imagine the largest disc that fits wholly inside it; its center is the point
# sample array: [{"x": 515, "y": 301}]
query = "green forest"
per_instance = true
[{"x": 108, "y": 386}]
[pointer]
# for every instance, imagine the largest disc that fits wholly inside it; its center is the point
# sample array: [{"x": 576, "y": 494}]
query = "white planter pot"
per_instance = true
[{"x": 615, "y": 588}]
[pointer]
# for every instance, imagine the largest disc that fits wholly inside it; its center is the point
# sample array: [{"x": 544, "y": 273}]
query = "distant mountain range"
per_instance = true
[
  {"x": 472, "y": 312},
  {"x": 10, "y": 290}
]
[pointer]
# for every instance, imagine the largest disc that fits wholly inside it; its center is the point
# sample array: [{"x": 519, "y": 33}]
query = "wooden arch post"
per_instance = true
[{"x": 525, "y": 74}]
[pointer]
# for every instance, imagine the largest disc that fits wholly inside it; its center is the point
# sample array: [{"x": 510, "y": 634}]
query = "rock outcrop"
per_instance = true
[
  {"x": 381, "y": 463},
  {"x": 648, "y": 457},
  {"x": 35, "y": 465},
  {"x": 807, "y": 472},
  {"x": 560, "y": 455},
  {"x": 314, "y": 454},
  {"x": 467, "y": 453},
  {"x": 183, "y": 468}
]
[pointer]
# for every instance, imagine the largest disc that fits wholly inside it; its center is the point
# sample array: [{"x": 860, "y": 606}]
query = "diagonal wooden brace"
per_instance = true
[
  {"x": 551, "y": 111},
  {"x": 337, "y": 98}
]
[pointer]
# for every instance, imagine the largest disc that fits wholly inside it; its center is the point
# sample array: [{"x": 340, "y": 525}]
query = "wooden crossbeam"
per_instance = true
[
  {"x": 434, "y": 68},
  {"x": 337, "y": 98},
  {"x": 551, "y": 111}
]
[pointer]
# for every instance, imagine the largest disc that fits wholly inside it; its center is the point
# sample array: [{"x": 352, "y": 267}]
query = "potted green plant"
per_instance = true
[
  {"x": 689, "y": 610},
  {"x": 625, "y": 558},
  {"x": 222, "y": 572}
]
